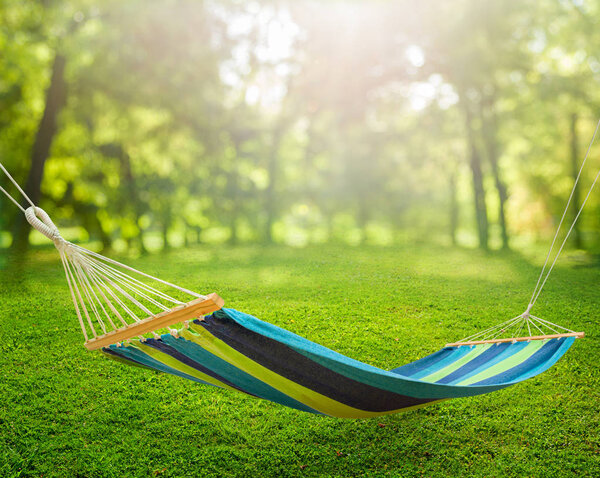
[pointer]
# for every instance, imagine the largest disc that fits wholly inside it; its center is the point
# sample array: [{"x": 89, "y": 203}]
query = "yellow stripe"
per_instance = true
[
  {"x": 177, "y": 365},
  {"x": 317, "y": 401}
]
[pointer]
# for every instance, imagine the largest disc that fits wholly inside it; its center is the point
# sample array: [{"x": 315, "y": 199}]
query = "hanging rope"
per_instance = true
[
  {"x": 12, "y": 199},
  {"x": 515, "y": 326},
  {"x": 538, "y": 288},
  {"x": 107, "y": 296},
  {"x": 100, "y": 290},
  {"x": 18, "y": 188}
]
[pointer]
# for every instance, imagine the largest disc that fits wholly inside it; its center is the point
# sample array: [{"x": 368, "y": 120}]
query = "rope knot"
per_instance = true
[
  {"x": 40, "y": 221},
  {"x": 526, "y": 314}
]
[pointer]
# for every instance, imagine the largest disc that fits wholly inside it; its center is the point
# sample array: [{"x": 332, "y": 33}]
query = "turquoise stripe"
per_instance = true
[
  {"x": 509, "y": 352},
  {"x": 545, "y": 365},
  {"x": 509, "y": 362},
  {"x": 356, "y": 370},
  {"x": 445, "y": 371},
  {"x": 141, "y": 357},
  {"x": 457, "y": 354},
  {"x": 232, "y": 374}
]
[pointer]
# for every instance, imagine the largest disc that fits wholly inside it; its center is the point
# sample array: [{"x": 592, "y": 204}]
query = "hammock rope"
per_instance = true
[
  {"x": 115, "y": 303},
  {"x": 526, "y": 319},
  {"x": 18, "y": 188},
  {"x": 536, "y": 291},
  {"x": 106, "y": 292},
  {"x": 110, "y": 296}
]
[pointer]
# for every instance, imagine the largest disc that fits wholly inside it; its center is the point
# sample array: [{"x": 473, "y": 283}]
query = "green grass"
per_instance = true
[{"x": 68, "y": 412}]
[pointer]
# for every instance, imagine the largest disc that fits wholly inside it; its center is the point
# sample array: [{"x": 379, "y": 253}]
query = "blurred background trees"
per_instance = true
[{"x": 148, "y": 125}]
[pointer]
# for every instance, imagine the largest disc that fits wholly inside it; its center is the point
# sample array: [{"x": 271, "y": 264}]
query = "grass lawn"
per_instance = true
[{"x": 65, "y": 411}]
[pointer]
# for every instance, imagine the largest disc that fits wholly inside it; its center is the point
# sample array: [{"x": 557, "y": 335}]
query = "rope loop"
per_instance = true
[{"x": 40, "y": 221}]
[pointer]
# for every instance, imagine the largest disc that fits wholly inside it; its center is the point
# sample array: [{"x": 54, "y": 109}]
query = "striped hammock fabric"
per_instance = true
[{"x": 235, "y": 351}]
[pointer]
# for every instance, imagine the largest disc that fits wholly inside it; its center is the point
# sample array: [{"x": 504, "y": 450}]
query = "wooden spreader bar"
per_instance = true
[
  {"x": 577, "y": 335},
  {"x": 192, "y": 310}
]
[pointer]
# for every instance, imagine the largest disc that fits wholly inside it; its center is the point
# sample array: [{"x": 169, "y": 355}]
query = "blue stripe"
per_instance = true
[
  {"x": 186, "y": 360},
  {"x": 138, "y": 356},
  {"x": 536, "y": 361},
  {"x": 481, "y": 361},
  {"x": 542, "y": 367},
  {"x": 232, "y": 374},
  {"x": 412, "y": 368},
  {"x": 506, "y": 353},
  {"x": 117, "y": 358},
  {"x": 357, "y": 370},
  {"x": 458, "y": 353}
]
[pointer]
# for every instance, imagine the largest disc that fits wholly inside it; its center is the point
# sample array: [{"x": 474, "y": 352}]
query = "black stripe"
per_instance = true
[
  {"x": 177, "y": 355},
  {"x": 294, "y": 366}
]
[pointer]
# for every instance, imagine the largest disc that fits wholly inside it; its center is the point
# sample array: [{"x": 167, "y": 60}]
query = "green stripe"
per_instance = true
[
  {"x": 447, "y": 370},
  {"x": 507, "y": 363},
  {"x": 172, "y": 362}
]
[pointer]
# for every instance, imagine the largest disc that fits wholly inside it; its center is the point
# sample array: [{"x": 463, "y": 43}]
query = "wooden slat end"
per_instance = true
[
  {"x": 194, "y": 309},
  {"x": 577, "y": 335},
  {"x": 217, "y": 300}
]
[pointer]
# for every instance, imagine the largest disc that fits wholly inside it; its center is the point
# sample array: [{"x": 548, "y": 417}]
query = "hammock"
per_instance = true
[
  {"x": 122, "y": 310},
  {"x": 233, "y": 350}
]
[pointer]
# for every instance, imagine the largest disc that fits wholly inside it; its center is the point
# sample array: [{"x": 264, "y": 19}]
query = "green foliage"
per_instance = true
[
  {"x": 374, "y": 123},
  {"x": 68, "y": 412},
  {"x": 189, "y": 121}
]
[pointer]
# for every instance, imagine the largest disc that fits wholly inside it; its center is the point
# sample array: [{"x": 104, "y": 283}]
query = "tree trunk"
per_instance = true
[
  {"x": 186, "y": 242},
  {"x": 489, "y": 128},
  {"x": 55, "y": 100},
  {"x": 234, "y": 196},
  {"x": 478, "y": 189},
  {"x": 453, "y": 210},
  {"x": 88, "y": 214},
  {"x": 329, "y": 215},
  {"x": 479, "y": 198},
  {"x": 165, "y": 234},
  {"x": 132, "y": 191},
  {"x": 105, "y": 238},
  {"x": 273, "y": 170},
  {"x": 575, "y": 201}
]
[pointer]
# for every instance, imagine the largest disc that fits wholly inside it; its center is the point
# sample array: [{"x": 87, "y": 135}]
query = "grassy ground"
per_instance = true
[{"x": 68, "y": 412}]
